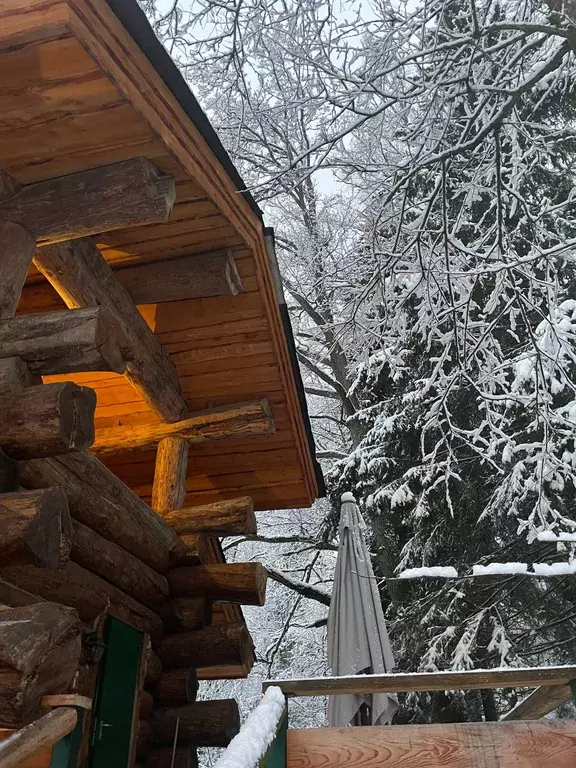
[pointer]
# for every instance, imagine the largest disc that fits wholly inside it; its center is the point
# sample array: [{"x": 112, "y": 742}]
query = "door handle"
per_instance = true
[{"x": 101, "y": 726}]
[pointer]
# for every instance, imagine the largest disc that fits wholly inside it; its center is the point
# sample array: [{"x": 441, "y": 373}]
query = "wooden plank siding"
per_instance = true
[{"x": 77, "y": 93}]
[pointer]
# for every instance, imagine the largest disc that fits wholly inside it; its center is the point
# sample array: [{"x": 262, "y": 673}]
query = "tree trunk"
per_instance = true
[
  {"x": 166, "y": 757},
  {"x": 243, "y": 583},
  {"x": 89, "y": 594},
  {"x": 186, "y": 613},
  {"x": 64, "y": 342},
  {"x": 39, "y": 653},
  {"x": 117, "y": 566},
  {"x": 203, "y": 724},
  {"x": 48, "y": 420},
  {"x": 224, "y": 518},
  {"x": 35, "y": 528},
  {"x": 17, "y": 247},
  {"x": 169, "y": 489},
  {"x": 104, "y": 503},
  {"x": 176, "y": 687},
  {"x": 220, "y": 645}
]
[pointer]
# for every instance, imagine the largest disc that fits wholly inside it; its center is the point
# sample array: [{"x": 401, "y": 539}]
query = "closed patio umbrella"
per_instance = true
[{"x": 357, "y": 638}]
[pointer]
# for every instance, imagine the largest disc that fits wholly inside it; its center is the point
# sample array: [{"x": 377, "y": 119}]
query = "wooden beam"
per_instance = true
[
  {"x": 17, "y": 247},
  {"x": 187, "y": 277},
  {"x": 116, "y": 565},
  {"x": 14, "y": 596},
  {"x": 48, "y": 420},
  {"x": 203, "y": 724},
  {"x": 186, "y": 613},
  {"x": 451, "y": 745},
  {"x": 243, "y": 583},
  {"x": 542, "y": 700},
  {"x": 219, "y": 645},
  {"x": 169, "y": 489},
  {"x": 229, "y": 421},
  {"x": 176, "y": 687},
  {"x": 64, "y": 342},
  {"x": 223, "y": 518},
  {"x": 144, "y": 740},
  {"x": 145, "y": 704},
  {"x": 198, "y": 550},
  {"x": 80, "y": 274},
  {"x": 9, "y": 478},
  {"x": 130, "y": 193},
  {"x": 20, "y": 747},
  {"x": 35, "y": 528},
  {"x": 153, "y": 668},
  {"x": 66, "y": 700},
  {"x": 100, "y": 500},
  {"x": 167, "y": 757},
  {"x": 427, "y": 681},
  {"x": 87, "y": 593},
  {"x": 15, "y": 375},
  {"x": 40, "y": 649}
]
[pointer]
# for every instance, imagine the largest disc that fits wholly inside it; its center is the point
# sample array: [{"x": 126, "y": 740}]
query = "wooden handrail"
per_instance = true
[
  {"x": 41, "y": 734},
  {"x": 427, "y": 681}
]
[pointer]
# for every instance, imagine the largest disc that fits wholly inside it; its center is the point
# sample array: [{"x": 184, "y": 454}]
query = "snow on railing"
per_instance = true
[
  {"x": 492, "y": 569},
  {"x": 257, "y": 734}
]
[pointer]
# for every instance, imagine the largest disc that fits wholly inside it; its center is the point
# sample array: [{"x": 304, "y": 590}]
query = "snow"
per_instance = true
[
  {"x": 258, "y": 732},
  {"x": 554, "y": 569},
  {"x": 499, "y": 569},
  {"x": 348, "y": 497},
  {"x": 551, "y": 536},
  {"x": 433, "y": 572}
]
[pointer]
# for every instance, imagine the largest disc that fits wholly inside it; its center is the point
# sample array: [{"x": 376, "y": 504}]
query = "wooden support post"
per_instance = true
[
  {"x": 169, "y": 489},
  {"x": 542, "y": 700},
  {"x": 176, "y": 687},
  {"x": 39, "y": 652},
  {"x": 153, "y": 668},
  {"x": 104, "y": 503},
  {"x": 15, "y": 375},
  {"x": 144, "y": 740},
  {"x": 130, "y": 193},
  {"x": 42, "y": 734},
  {"x": 35, "y": 528},
  {"x": 219, "y": 645},
  {"x": 243, "y": 583},
  {"x": 80, "y": 274},
  {"x": 223, "y": 518},
  {"x": 145, "y": 705},
  {"x": 48, "y": 420},
  {"x": 198, "y": 550},
  {"x": 187, "y": 277},
  {"x": 17, "y": 247},
  {"x": 15, "y": 596},
  {"x": 203, "y": 724},
  {"x": 64, "y": 342},
  {"x": 103, "y": 557},
  {"x": 166, "y": 757},
  {"x": 186, "y": 613},
  {"x": 88, "y": 593},
  {"x": 228, "y": 421}
]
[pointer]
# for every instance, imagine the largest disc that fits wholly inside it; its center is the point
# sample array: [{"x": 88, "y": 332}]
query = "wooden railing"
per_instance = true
[{"x": 40, "y": 735}]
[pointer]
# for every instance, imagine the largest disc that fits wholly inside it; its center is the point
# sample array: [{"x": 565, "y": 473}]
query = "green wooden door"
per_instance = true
[{"x": 114, "y": 709}]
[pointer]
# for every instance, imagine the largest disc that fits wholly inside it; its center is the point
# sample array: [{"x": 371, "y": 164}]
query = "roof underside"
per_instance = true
[{"x": 77, "y": 93}]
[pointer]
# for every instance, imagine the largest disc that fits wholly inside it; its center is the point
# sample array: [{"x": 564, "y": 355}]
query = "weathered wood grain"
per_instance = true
[
  {"x": 116, "y": 565},
  {"x": 223, "y": 518},
  {"x": 104, "y": 503},
  {"x": 203, "y": 724},
  {"x": 80, "y": 274},
  {"x": 35, "y": 528},
  {"x": 187, "y": 277},
  {"x": 89, "y": 594},
  {"x": 17, "y": 246},
  {"x": 64, "y": 342},
  {"x": 153, "y": 668},
  {"x": 15, "y": 375},
  {"x": 240, "y": 420},
  {"x": 145, "y": 704},
  {"x": 243, "y": 583},
  {"x": 458, "y": 745},
  {"x": 186, "y": 613},
  {"x": 176, "y": 687},
  {"x": 144, "y": 740},
  {"x": 36, "y": 737},
  {"x": 97, "y": 200},
  {"x": 169, "y": 489},
  {"x": 47, "y": 420},
  {"x": 39, "y": 653},
  {"x": 220, "y": 645}
]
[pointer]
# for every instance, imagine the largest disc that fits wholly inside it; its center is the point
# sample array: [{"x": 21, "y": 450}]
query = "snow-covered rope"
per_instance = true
[{"x": 258, "y": 732}]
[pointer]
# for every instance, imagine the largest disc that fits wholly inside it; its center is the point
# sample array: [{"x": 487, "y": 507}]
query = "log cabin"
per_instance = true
[{"x": 150, "y": 399}]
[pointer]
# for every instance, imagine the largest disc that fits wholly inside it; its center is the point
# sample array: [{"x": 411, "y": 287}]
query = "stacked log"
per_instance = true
[
  {"x": 203, "y": 724},
  {"x": 167, "y": 757}
]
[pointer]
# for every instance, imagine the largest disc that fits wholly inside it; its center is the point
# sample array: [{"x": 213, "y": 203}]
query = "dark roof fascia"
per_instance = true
[{"x": 134, "y": 20}]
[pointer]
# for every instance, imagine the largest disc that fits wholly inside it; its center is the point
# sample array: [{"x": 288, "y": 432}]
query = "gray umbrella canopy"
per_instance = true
[{"x": 357, "y": 638}]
